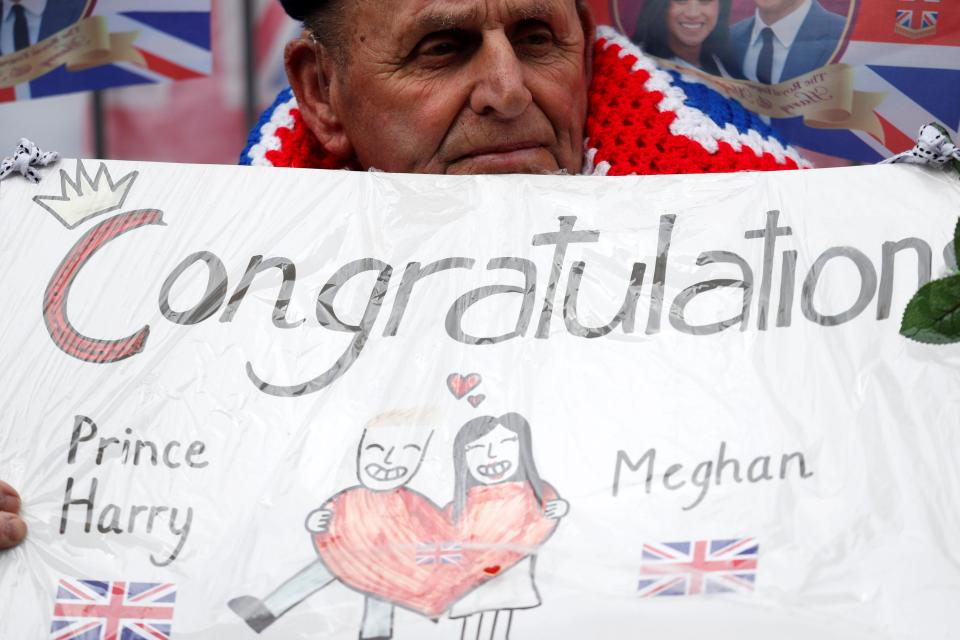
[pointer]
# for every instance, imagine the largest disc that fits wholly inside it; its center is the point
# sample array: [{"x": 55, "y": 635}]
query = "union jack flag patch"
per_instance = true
[
  {"x": 698, "y": 567},
  {"x": 439, "y": 553},
  {"x": 101, "y": 610}
]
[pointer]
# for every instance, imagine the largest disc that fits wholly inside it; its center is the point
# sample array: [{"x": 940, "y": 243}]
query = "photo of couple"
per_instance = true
[
  {"x": 765, "y": 41},
  {"x": 472, "y": 561},
  {"x": 24, "y": 23}
]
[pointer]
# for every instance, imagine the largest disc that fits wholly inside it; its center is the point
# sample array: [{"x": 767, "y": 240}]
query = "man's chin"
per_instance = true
[{"x": 531, "y": 160}]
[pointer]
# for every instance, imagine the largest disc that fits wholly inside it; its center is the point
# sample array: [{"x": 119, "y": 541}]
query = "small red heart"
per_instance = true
[
  {"x": 461, "y": 385},
  {"x": 476, "y": 400},
  {"x": 494, "y": 570}
]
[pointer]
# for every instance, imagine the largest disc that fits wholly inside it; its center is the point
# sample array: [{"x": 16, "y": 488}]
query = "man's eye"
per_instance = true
[
  {"x": 374, "y": 446},
  {"x": 441, "y": 45},
  {"x": 438, "y": 49},
  {"x": 534, "y": 40}
]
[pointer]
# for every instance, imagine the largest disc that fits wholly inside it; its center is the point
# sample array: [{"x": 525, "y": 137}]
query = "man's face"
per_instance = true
[
  {"x": 389, "y": 456},
  {"x": 779, "y": 8},
  {"x": 463, "y": 86}
]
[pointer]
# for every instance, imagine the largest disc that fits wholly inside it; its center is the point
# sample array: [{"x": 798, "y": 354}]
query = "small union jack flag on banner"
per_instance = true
[
  {"x": 701, "y": 566},
  {"x": 96, "y": 610},
  {"x": 439, "y": 553}
]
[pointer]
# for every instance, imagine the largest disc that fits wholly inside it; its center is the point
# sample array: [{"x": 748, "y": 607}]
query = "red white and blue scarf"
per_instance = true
[{"x": 642, "y": 120}]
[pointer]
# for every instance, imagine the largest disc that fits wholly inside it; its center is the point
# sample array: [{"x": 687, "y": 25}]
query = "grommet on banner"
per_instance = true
[
  {"x": 934, "y": 148},
  {"x": 25, "y": 161}
]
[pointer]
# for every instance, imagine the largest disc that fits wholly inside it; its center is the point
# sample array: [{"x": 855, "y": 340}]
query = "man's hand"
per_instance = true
[
  {"x": 12, "y": 528},
  {"x": 319, "y": 521},
  {"x": 556, "y": 509}
]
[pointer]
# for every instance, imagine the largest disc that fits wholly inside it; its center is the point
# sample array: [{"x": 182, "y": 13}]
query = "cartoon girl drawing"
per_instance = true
[{"x": 497, "y": 488}]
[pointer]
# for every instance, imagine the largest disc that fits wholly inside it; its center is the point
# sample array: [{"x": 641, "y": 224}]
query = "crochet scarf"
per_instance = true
[{"x": 642, "y": 120}]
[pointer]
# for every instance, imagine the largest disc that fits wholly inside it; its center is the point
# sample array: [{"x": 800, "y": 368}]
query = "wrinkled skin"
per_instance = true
[{"x": 451, "y": 86}]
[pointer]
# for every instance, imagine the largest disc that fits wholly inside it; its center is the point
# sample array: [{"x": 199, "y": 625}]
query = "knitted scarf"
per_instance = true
[{"x": 641, "y": 120}]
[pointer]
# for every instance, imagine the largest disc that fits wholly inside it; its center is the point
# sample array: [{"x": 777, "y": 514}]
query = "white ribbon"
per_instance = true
[
  {"x": 934, "y": 148},
  {"x": 25, "y": 159}
]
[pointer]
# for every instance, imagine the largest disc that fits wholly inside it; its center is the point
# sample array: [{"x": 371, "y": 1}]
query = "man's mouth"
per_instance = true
[
  {"x": 501, "y": 149},
  {"x": 381, "y": 473},
  {"x": 494, "y": 470},
  {"x": 524, "y": 157}
]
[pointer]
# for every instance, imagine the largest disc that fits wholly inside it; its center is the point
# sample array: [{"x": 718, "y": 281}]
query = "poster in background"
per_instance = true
[
  {"x": 857, "y": 81},
  {"x": 287, "y": 404},
  {"x": 52, "y": 47}
]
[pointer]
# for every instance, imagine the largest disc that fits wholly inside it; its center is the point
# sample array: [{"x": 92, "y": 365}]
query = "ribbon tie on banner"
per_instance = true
[
  {"x": 934, "y": 148},
  {"x": 825, "y": 98},
  {"x": 84, "y": 45},
  {"x": 25, "y": 159}
]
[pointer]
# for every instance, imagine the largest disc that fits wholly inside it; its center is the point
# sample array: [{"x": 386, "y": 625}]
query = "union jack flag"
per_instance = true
[
  {"x": 100, "y": 610},
  {"x": 698, "y": 567},
  {"x": 172, "y": 39},
  {"x": 915, "y": 64},
  {"x": 439, "y": 553},
  {"x": 905, "y": 18}
]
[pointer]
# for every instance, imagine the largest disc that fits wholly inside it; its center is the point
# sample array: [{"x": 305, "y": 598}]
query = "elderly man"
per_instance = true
[{"x": 485, "y": 86}]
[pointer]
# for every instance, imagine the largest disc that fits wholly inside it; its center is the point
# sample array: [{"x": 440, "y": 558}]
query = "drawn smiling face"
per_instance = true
[
  {"x": 390, "y": 456},
  {"x": 494, "y": 457}
]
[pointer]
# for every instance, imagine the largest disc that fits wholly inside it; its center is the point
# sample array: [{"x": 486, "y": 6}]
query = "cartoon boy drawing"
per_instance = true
[{"x": 390, "y": 454}]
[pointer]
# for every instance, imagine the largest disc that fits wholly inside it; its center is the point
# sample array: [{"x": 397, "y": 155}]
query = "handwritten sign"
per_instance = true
[{"x": 288, "y": 404}]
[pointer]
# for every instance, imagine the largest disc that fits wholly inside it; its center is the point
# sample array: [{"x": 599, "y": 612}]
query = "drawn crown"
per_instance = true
[{"x": 82, "y": 198}]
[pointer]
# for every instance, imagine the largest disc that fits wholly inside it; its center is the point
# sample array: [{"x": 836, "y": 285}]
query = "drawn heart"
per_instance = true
[
  {"x": 461, "y": 385},
  {"x": 399, "y": 546},
  {"x": 476, "y": 400}
]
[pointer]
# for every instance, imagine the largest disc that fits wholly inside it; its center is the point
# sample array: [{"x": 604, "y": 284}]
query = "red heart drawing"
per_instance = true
[
  {"x": 399, "y": 546},
  {"x": 476, "y": 400},
  {"x": 461, "y": 385}
]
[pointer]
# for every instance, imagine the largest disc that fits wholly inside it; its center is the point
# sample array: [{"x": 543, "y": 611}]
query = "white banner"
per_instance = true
[{"x": 307, "y": 404}]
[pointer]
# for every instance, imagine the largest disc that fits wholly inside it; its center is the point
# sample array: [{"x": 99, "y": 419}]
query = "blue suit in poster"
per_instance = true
[
  {"x": 813, "y": 47},
  {"x": 56, "y": 16},
  {"x": 59, "y": 15}
]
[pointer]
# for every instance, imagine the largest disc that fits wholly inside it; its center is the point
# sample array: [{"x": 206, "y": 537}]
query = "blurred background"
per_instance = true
[{"x": 200, "y": 114}]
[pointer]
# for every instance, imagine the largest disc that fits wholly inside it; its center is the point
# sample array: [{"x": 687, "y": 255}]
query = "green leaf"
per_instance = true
[
  {"x": 956, "y": 244},
  {"x": 933, "y": 315}
]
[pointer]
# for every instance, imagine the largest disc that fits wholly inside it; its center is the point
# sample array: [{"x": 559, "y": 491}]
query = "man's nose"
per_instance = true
[
  {"x": 500, "y": 88},
  {"x": 386, "y": 458},
  {"x": 490, "y": 452}
]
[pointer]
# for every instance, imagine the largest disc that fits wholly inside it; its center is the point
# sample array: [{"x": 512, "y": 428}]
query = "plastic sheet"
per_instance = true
[{"x": 528, "y": 406}]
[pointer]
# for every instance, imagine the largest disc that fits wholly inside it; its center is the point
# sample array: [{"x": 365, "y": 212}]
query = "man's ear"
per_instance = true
[
  {"x": 589, "y": 25},
  {"x": 311, "y": 69}
]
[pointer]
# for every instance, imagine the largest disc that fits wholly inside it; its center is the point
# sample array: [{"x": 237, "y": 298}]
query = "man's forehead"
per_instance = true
[{"x": 449, "y": 14}]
